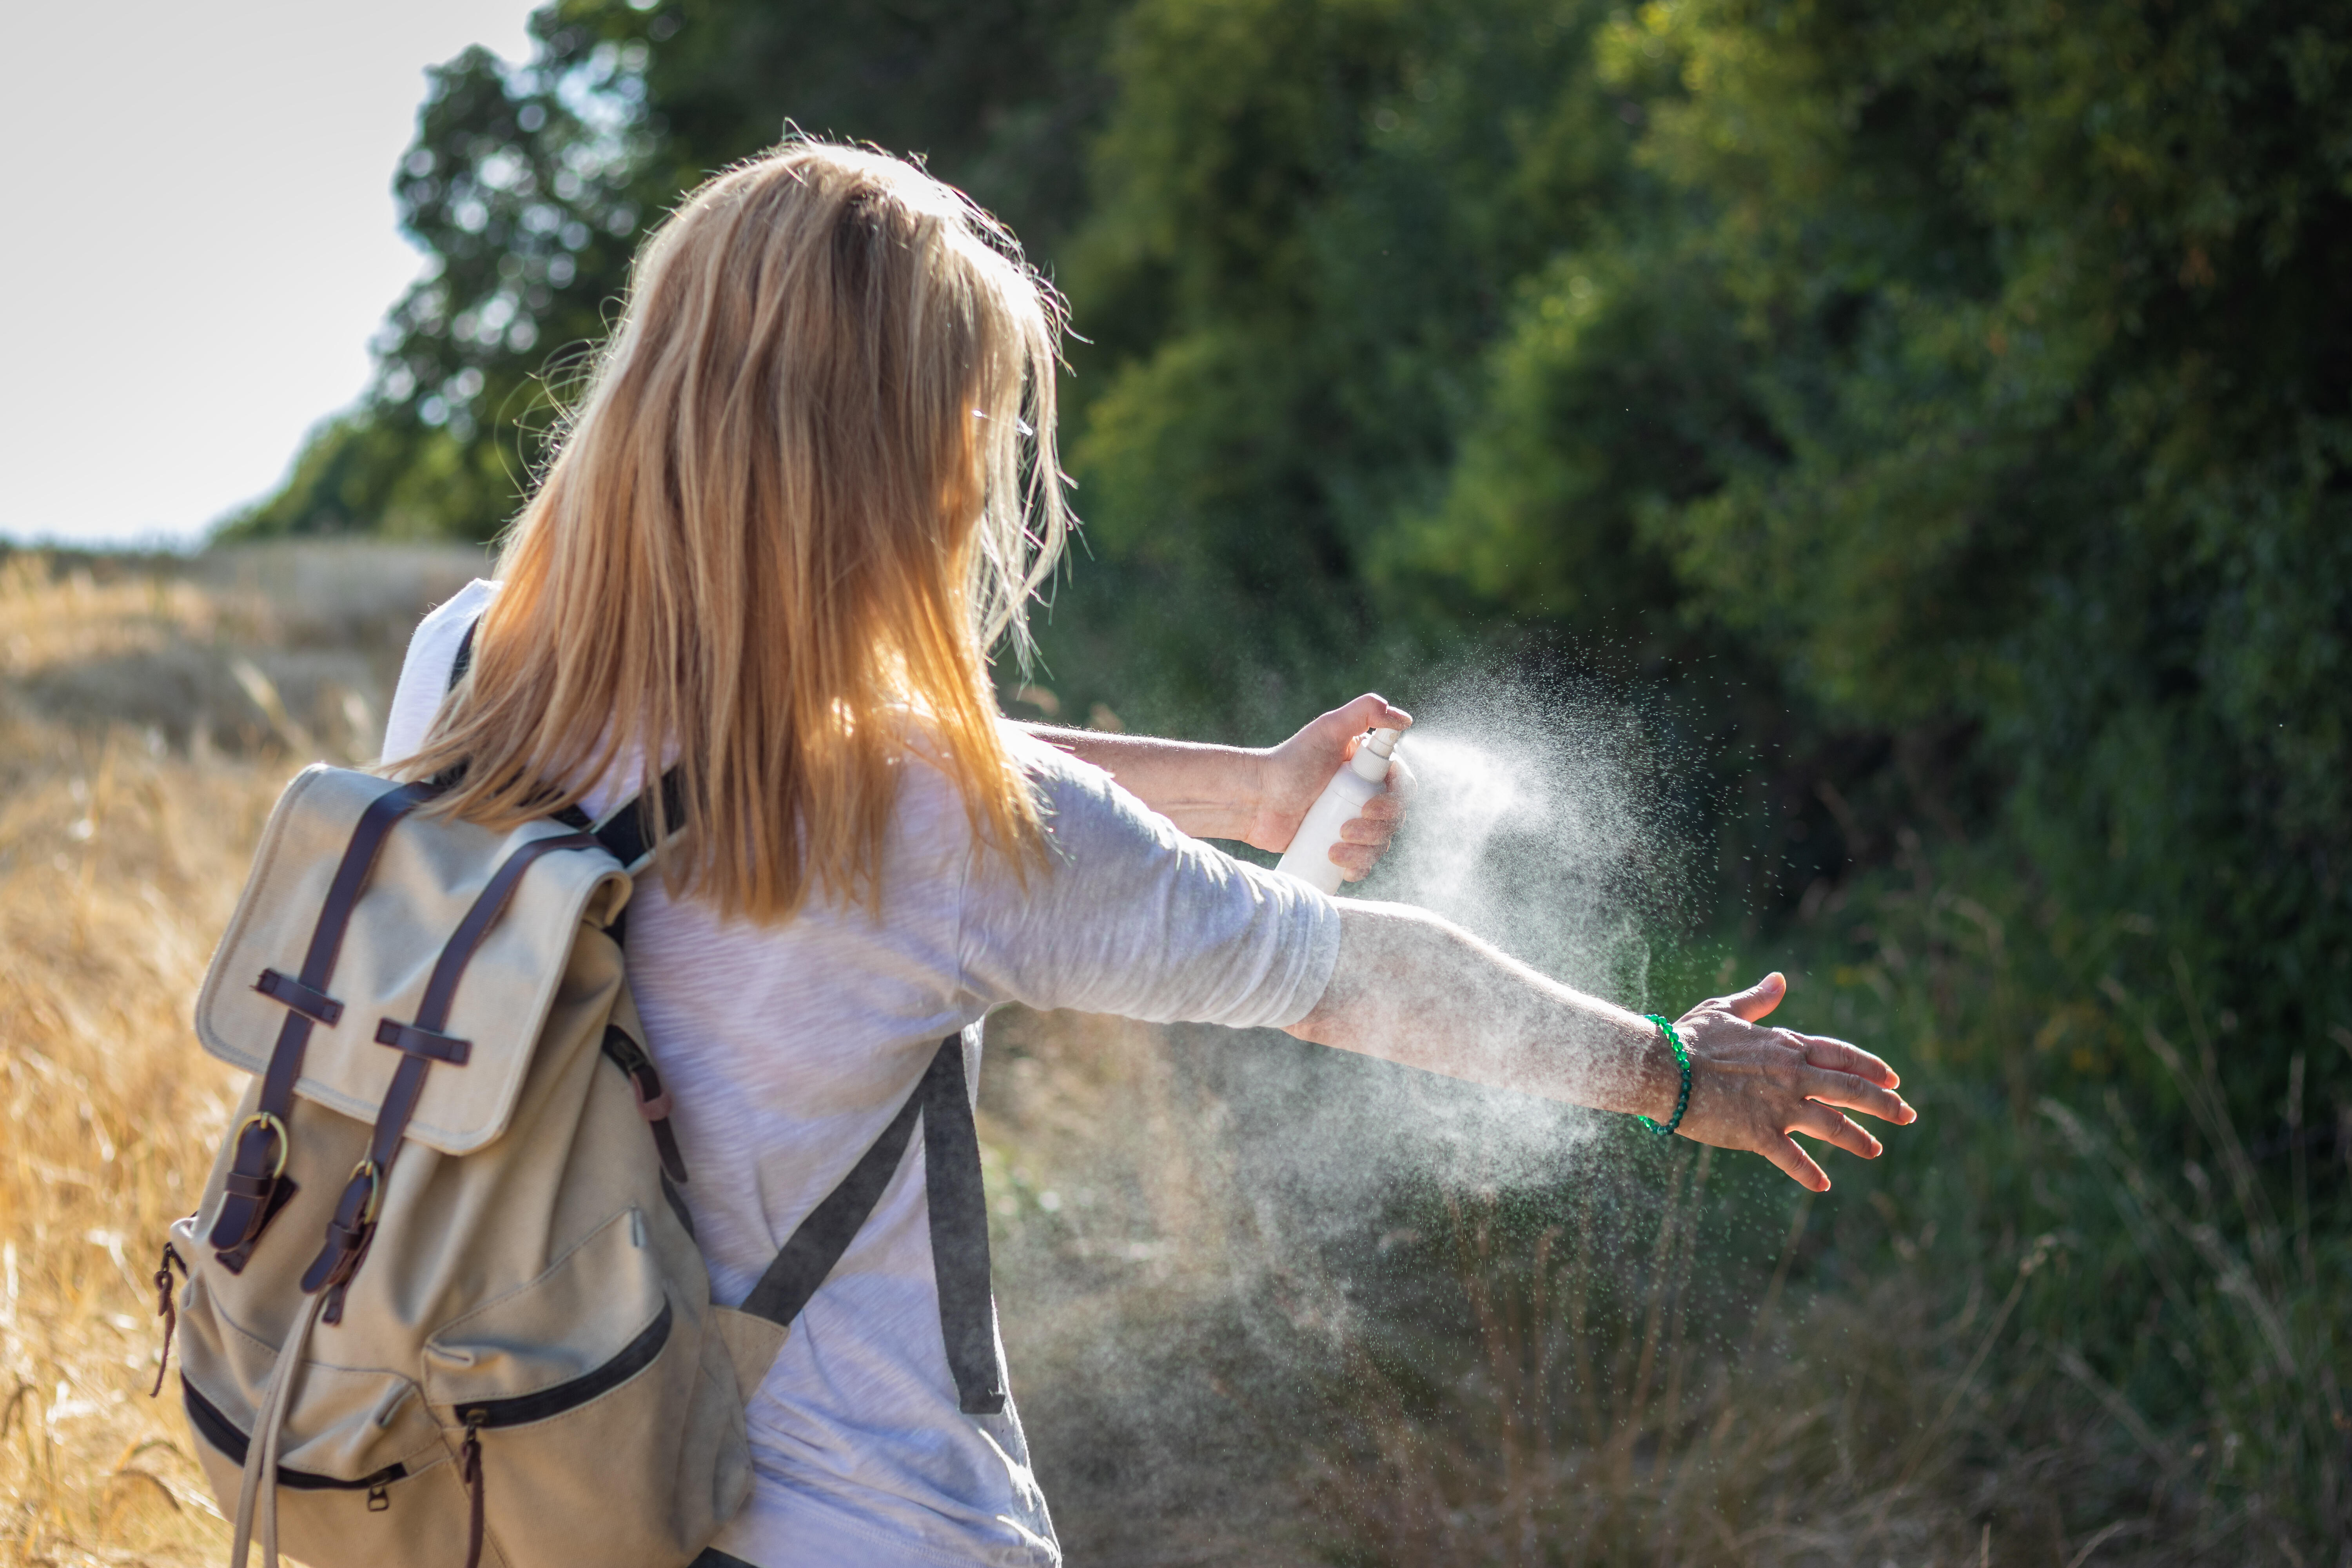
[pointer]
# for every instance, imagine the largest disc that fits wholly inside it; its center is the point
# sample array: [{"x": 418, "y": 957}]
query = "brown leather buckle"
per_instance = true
[
  {"x": 251, "y": 1197},
  {"x": 348, "y": 1234},
  {"x": 375, "y": 1174},
  {"x": 285, "y": 1141}
]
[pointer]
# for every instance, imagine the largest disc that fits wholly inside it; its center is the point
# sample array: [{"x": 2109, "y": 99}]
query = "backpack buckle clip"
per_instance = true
[{"x": 277, "y": 1128}]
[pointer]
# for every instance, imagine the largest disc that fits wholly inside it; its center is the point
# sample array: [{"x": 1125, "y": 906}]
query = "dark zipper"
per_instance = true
[
  {"x": 524, "y": 1408},
  {"x": 217, "y": 1429},
  {"x": 521, "y": 1410}
]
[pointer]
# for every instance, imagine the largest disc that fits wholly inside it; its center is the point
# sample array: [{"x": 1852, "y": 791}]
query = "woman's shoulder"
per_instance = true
[{"x": 424, "y": 673}]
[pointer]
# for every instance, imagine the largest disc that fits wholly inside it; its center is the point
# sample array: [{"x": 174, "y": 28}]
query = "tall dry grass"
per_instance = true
[{"x": 149, "y": 713}]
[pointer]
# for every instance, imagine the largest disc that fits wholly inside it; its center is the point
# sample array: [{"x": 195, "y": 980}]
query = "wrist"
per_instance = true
[
  {"x": 1671, "y": 1038},
  {"x": 1658, "y": 1077},
  {"x": 1251, "y": 771}
]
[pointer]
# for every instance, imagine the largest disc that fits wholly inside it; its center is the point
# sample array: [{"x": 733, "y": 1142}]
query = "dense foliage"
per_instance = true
[{"x": 1972, "y": 377}]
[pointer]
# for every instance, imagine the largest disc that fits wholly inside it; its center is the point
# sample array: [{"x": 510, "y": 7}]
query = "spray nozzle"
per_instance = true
[{"x": 1371, "y": 758}]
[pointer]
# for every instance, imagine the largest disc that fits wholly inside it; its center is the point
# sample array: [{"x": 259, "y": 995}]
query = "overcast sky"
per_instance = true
[{"x": 200, "y": 240}]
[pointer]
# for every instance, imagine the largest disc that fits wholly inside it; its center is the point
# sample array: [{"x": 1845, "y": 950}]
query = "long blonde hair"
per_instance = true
[{"x": 813, "y": 481}]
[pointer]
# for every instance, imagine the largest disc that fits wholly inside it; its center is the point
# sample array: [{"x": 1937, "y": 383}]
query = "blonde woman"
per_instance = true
[{"x": 812, "y": 483}]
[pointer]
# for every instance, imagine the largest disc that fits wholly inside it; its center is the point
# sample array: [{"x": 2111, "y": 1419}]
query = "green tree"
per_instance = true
[
  {"x": 1310, "y": 220},
  {"x": 2026, "y": 418}
]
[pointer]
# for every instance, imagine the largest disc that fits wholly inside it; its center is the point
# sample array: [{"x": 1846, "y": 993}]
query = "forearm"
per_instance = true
[
  {"x": 1415, "y": 989},
  {"x": 1209, "y": 792}
]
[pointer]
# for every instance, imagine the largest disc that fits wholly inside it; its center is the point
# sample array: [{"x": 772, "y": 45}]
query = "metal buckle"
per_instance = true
[
  {"x": 374, "y": 1174},
  {"x": 284, "y": 1142}
]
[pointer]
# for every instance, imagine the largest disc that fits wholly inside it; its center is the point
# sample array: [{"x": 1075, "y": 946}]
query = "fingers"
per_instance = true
[
  {"x": 1759, "y": 998},
  {"x": 1818, "y": 1121},
  {"x": 1364, "y": 839},
  {"x": 1356, "y": 856},
  {"x": 1857, "y": 1094},
  {"x": 1795, "y": 1163},
  {"x": 1370, "y": 712},
  {"x": 1839, "y": 1057}
]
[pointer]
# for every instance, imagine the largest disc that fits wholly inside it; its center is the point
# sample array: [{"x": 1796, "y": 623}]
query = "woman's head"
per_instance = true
[{"x": 812, "y": 479}]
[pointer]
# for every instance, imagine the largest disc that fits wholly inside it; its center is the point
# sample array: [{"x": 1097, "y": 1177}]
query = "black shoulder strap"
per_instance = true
[
  {"x": 628, "y": 835},
  {"x": 958, "y": 1218},
  {"x": 625, "y": 833},
  {"x": 464, "y": 659}
]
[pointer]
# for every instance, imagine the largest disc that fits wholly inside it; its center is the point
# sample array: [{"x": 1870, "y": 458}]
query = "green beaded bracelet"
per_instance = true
[{"x": 1682, "y": 1101}]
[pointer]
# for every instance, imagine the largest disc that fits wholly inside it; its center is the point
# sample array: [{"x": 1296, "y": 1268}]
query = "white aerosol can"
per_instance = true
[{"x": 1308, "y": 858}]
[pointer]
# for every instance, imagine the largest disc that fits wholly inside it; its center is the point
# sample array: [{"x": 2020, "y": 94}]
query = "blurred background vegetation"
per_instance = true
[{"x": 1937, "y": 416}]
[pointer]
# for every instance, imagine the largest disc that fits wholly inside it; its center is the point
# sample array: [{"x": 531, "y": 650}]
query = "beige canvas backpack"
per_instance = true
[{"x": 441, "y": 1302}]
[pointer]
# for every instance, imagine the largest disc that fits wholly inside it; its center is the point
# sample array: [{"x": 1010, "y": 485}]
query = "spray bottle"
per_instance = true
[{"x": 1308, "y": 858}]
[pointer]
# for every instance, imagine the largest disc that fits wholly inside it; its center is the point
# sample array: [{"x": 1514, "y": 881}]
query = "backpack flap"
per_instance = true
[{"x": 429, "y": 875}]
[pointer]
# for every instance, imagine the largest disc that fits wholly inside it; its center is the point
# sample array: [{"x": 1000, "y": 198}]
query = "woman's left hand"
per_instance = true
[
  {"x": 1294, "y": 773},
  {"x": 1752, "y": 1085}
]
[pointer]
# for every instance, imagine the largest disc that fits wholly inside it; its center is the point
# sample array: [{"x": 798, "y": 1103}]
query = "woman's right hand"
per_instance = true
[
  {"x": 1292, "y": 774},
  {"x": 1752, "y": 1085}
]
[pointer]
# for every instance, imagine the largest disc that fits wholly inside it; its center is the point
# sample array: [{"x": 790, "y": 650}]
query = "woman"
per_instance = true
[{"x": 814, "y": 480}]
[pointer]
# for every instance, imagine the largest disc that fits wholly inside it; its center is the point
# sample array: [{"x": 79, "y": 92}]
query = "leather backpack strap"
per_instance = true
[
  {"x": 257, "y": 1187},
  {"x": 957, "y": 1205},
  {"x": 626, "y": 833},
  {"x": 959, "y": 1221}
]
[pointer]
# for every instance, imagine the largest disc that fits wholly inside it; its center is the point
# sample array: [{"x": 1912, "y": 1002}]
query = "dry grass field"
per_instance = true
[
  {"x": 1207, "y": 1377},
  {"x": 147, "y": 719}
]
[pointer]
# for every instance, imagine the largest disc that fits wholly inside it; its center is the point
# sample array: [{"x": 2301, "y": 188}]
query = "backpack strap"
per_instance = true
[
  {"x": 255, "y": 1186},
  {"x": 628, "y": 837},
  {"x": 957, "y": 1201},
  {"x": 959, "y": 1219},
  {"x": 626, "y": 832},
  {"x": 464, "y": 659}
]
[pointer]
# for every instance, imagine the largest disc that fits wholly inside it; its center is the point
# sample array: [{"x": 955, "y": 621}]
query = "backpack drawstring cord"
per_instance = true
[
  {"x": 257, "y": 1500},
  {"x": 469, "y": 1471},
  {"x": 167, "y": 1310}
]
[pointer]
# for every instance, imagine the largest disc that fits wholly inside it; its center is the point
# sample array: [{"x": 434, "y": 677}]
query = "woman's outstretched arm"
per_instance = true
[
  {"x": 1416, "y": 989},
  {"x": 1255, "y": 795}
]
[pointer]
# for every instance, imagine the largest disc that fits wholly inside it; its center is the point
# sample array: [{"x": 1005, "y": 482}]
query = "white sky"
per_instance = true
[{"x": 199, "y": 241}]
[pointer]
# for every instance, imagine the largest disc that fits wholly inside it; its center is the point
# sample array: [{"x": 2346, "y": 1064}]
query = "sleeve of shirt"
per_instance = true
[
  {"x": 424, "y": 674},
  {"x": 1133, "y": 918}
]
